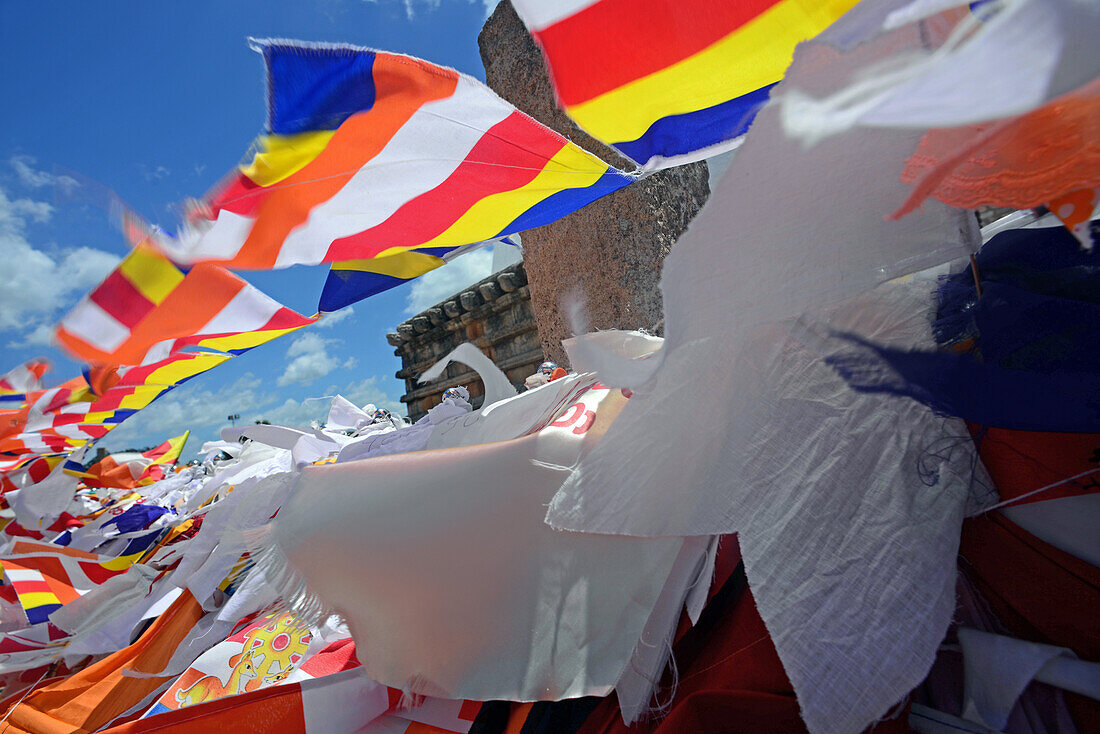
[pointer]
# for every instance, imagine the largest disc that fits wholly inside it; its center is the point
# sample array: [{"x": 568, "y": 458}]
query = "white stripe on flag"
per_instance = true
[
  {"x": 220, "y": 241},
  {"x": 92, "y": 324},
  {"x": 15, "y": 575},
  {"x": 538, "y": 14},
  {"x": 249, "y": 310},
  {"x": 420, "y": 156}
]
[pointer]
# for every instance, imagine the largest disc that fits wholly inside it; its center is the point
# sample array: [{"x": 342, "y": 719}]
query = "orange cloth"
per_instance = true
[
  {"x": 1020, "y": 162},
  {"x": 88, "y": 700}
]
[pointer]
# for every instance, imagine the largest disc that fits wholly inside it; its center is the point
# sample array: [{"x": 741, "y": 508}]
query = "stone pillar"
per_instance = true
[{"x": 611, "y": 250}]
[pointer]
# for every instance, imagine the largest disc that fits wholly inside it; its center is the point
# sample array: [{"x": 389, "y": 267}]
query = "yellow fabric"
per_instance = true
[
  {"x": 281, "y": 156},
  {"x": 753, "y": 56},
  {"x": 151, "y": 273},
  {"x": 570, "y": 168},
  {"x": 402, "y": 265},
  {"x": 178, "y": 370}
]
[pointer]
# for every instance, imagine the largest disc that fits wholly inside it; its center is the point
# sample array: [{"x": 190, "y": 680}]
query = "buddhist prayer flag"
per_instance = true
[
  {"x": 129, "y": 471},
  {"x": 22, "y": 379},
  {"x": 667, "y": 82},
  {"x": 150, "y": 307},
  {"x": 45, "y": 576},
  {"x": 369, "y": 154},
  {"x": 354, "y": 280}
]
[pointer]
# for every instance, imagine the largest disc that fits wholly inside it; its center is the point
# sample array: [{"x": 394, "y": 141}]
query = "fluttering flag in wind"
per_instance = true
[
  {"x": 21, "y": 380},
  {"x": 47, "y": 576},
  {"x": 667, "y": 82},
  {"x": 131, "y": 469},
  {"x": 149, "y": 308},
  {"x": 354, "y": 280},
  {"x": 369, "y": 154}
]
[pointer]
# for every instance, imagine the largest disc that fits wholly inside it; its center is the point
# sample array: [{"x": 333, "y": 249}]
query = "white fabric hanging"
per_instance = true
[
  {"x": 1026, "y": 53},
  {"x": 848, "y": 513},
  {"x": 449, "y": 580}
]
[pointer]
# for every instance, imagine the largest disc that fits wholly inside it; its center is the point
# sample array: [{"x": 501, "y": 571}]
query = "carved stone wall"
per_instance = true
[{"x": 495, "y": 314}]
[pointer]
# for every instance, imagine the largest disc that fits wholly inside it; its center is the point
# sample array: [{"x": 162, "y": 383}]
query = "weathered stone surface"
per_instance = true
[
  {"x": 610, "y": 252},
  {"x": 498, "y": 322}
]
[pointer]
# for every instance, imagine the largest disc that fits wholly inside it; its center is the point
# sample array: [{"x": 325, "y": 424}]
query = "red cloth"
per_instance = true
[
  {"x": 1023, "y": 461},
  {"x": 1040, "y": 593},
  {"x": 731, "y": 679}
]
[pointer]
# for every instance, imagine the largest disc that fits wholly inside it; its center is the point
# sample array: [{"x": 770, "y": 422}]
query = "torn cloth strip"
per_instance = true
[
  {"x": 674, "y": 81},
  {"x": 370, "y": 154}
]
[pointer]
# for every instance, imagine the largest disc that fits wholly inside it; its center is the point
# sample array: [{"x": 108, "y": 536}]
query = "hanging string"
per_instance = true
[{"x": 1037, "y": 491}]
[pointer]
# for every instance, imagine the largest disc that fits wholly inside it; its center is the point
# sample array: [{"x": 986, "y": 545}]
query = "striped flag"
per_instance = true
[
  {"x": 24, "y": 378},
  {"x": 370, "y": 154},
  {"x": 149, "y": 308},
  {"x": 667, "y": 82},
  {"x": 131, "y": 470},
  {"x": 354, "y": 280},
  {"x": 46, "y": 576}
]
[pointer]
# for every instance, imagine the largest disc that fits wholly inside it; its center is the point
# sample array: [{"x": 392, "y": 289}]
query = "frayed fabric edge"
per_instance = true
[{"x": 294, "y": 593}]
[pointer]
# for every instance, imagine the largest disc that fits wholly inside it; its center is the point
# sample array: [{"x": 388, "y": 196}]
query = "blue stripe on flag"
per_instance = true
[
  {"x": 345, "y": 287},
  {"x": 36, "y": 615},
  {"x": 680, "y": 134},
  {"x": 316, "y": 88},
  {"x": 566, "y": 201}
]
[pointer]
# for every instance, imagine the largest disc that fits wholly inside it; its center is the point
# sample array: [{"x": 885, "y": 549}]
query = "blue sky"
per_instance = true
[{"x": 156, "y": 102}]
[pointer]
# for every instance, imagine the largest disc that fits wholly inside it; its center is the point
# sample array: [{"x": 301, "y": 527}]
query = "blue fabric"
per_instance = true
[
  {"x": 345, "y": 287},
  {"x": 566, "y": 201},
  {"x": 679, "y": 134},
  {"x": 1033, "y": 362},
  {"x": 316, "y": 88},
  {"x": 137, "y": 517}
]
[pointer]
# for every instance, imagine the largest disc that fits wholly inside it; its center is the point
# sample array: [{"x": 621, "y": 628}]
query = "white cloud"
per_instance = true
[
  {"x": 412, "y": 5},
  {"x": 433, "y": 287},
  {"x": 191, "y": 407},
  {"x": 204, "y": 411},
  {"x": 34, "y": 284},
  {"x": 331, "y": 319},
  {"x": 309, "y": 359},
  {"x": 368, "y": 391},
  {"x": 153, "y": 173},
  {"x": 30, "y": 176},
  {"x": 41, "y": 335}
]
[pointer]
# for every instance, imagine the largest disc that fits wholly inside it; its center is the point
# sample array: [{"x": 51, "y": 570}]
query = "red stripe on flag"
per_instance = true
[
  {"x": 509, "y": 155},
  {"x": 117, "y": 296},
  {"x": 240, "y": 196},
  {"x": 278, "y": 708},
  {"x": 469, "y": 710},
  {"x": 650, "y": 35},
  {"x": 284, "y": 318},
  {"x": 32, "y": 587}
]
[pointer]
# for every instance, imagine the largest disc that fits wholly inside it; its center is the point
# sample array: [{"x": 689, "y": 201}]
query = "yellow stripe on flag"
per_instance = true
[
  {"x": 151, "y": 273},
  {"x": 37, "y": 599},
  {"x": 178, "y": 370},
  {"x": 753, "y": 56},
  {"x": 245, "y": 340},
  {"x": 570, "y": 168},
  {"x": 281, "y": 156},
  {"x": 403, "y": 265}
]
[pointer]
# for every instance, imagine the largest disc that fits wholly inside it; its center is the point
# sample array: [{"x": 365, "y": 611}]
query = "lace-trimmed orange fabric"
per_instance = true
[{"x": 1020, "y": 162}]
